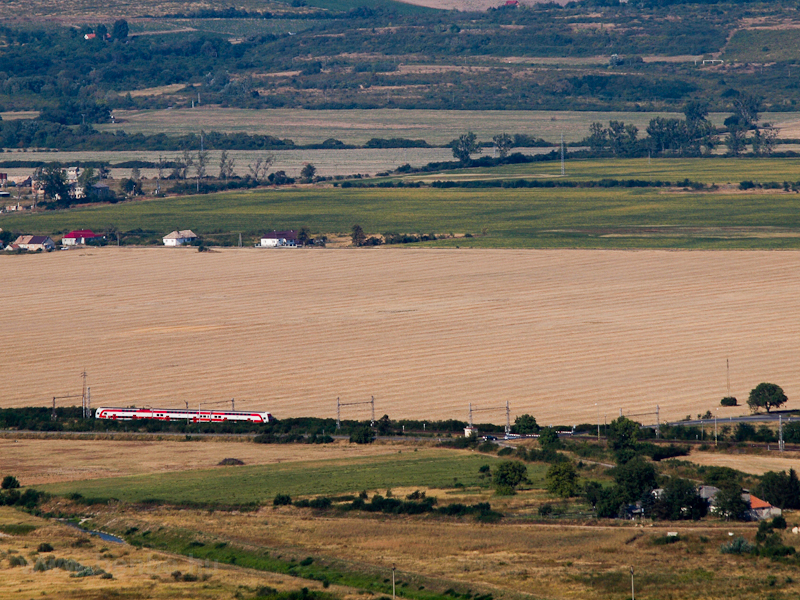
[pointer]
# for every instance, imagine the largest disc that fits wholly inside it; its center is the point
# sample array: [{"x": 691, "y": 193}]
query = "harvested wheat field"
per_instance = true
[
  {"x": 755, "y": 464},
  {"x": 38, "y": 461},
  {"x": 563, "y": 334}
]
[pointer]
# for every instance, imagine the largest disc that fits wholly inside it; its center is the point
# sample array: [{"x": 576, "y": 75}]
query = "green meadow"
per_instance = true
[
  {"x": 596, "y": 217},
  {"x": 259, "y": 484}
]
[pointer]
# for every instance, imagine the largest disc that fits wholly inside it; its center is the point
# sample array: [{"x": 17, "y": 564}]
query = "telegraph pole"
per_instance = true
[
  {"x": 393, "y": 588},
  {"x": 562, "y": 154}
]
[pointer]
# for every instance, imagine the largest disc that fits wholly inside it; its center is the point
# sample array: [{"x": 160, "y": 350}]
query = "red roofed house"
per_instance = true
[
  {"x": 511, "y": 3},
  {"x": 279, "y": 239},
  {"x": 32, "y": 243},
  {"x": 761, "y": 510},
  {"x": 78, "y": 237}
]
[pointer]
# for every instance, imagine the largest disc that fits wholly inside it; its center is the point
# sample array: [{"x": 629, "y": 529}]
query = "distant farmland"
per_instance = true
[{"x": 562, "y": 334}]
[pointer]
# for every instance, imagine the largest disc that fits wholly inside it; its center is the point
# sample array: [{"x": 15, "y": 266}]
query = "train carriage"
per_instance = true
[{"x": 171, "y": 414}]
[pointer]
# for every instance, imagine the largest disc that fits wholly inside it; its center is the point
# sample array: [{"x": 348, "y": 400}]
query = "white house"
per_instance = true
[
  {"x": 279, "y": 239},
  {"x": 179, "y": 238},
  {"x": 78, "y": 237},
  {"x": 32, "y": 243}
]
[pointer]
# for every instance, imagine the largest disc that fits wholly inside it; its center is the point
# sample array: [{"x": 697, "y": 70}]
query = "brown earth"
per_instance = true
[
  {"x": 567, "y": 335},
  {"x": 755, "y": 464}
]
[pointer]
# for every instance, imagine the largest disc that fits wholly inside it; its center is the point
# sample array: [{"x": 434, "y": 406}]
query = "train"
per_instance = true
[{"x": 172, "y": 414}]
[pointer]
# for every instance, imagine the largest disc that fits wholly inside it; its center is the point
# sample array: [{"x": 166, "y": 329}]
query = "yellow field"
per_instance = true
[
  {"x": 38, "y": 461},
  {"x": 564, "y": 335},
  {"x": 755, "y": 464}
]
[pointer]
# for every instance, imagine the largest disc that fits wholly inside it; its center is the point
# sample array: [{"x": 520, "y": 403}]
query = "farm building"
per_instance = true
[
  {"x": 78, "y": 237},
  {"x": 179, "y": 238},
  {"x": 279, "y": 239},
  {"x": 761, "y": 510},
  {"x": 32, "y": 243}
]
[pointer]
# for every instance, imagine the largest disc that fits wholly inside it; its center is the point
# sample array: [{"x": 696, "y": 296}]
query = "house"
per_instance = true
[
  {"x": 179, "y": 238},
  {"x": 761, "y": 510},
  {"x": 511, "y": 4},
  {"x": 32, "y": 243},
  {"x": 101, "y": 191},
  {"x": 279, "y": 239},
  {"x": 78, "y": 237}
]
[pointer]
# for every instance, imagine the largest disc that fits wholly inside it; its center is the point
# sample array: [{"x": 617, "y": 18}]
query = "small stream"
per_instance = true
[{"x": 106, "y": 537}]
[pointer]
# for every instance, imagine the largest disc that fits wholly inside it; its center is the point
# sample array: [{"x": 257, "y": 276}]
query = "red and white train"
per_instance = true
[{"x": 171, "y": 414}]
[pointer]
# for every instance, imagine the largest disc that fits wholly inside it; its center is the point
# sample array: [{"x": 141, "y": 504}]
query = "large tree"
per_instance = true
[
  {"x": 466, "y": 145},
  {"x": 766, "y": 395},
  {"x": 54, "y": 184},
  {"x": 526, "y": 424},
  {"x": 504, "y": 143},
  {"x": 562, "y": 480},
  {"x": 510, "y": 473}
]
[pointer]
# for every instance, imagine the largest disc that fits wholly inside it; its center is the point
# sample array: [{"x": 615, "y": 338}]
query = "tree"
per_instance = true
[
  {"x": 634, "y": 479},
  {"x": 510, "y": 473},
  {"x": 303, "y": 236},
  {"x": 357, "y": 235},
  {"x": 9, "y": 483},
  {"x": 504, "y": 143},
  {"x": 623, "y": 433},
  {"x": 260, "y": 168},
  {"x": 729, "y": 401},
  {"x": 226, "y": 165},
  {"x": 464, "y": 146},
  {"x": 622, "y": 138},
  {"x": 131, "y": 187},
  {"x": 548, "y": 439},
  {"x": 766, "y": 395},
  {"x": 54, "y": 184},
  {"x": 308, "y": 172},
  {"x": 525, "y": 424},
  {"x": 780, "y": 489},
  {"x": 747, "y": 107},
  {"x": 362, "y": 436},
  {"x": 200, "y": 164},
  {"x": 695, "y": 111},
  {"x": 680, "y": 500},
  {"x": 120, "y": 29},
  {"x": 101, "y": 31},
  {"x": 562, "y": 480},
  {"x": 736, "y": 140},
  {"x": 598, "y": 138},
  {"x": 87, "y": 180},
  {"x": 728, "y": 503},
  {"x": 184, "y": 162}
]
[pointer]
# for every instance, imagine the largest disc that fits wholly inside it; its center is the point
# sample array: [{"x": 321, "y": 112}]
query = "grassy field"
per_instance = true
[
  {"x": 39, "y": 461},
  {"x": 426, "y": 332},
  {"x": 358, "y": 126},
  {"x": 708, "y": 171},
  {"x": 763, "y": 45},
  {"x": 259, "y": 484},
  {"x": 522, "y": 218}
]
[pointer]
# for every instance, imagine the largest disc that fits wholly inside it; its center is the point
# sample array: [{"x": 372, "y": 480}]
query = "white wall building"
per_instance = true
[
  {"x": 279, "y": 239},
  {"x": 179, "y": 238}
]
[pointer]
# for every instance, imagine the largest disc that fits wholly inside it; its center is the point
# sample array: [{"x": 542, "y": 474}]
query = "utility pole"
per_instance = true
[
  {"x": 393, "y": 589},
  {"x": 508, "y": 419},
  {"x": 372, "y": 403},
  {"x": 658, "y": 421},
  {"x": 780, "y": 433},
  {"x": 233, "y": 405},
  {"x": 633, "y": 592},
  {"x": 728, "y": 375},
  {"x": 562, "y": 155},
  {"x": 716, "y": 412},
  {"x": 597, "y": 406},
  {"x": 338, "y": 413}
]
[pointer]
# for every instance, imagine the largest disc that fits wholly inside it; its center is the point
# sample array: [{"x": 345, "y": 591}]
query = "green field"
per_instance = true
[
  {"x": 524, "y": 218},
  {"x": 258, "y": 484},
  {"x": 708, "y": 171},
  {"x": 763, "y": 45}
]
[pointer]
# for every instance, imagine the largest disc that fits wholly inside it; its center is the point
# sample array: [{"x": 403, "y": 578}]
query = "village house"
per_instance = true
[
  {"x": 32, "y": 243},
  {"x": 279, "y": 239},
  {"x": 78, "y": 237},
  {"x": 179, "y": 238},
  {"x": 761, "y": 510}
]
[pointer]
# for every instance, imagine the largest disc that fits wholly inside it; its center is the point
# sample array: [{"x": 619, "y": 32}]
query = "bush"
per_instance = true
[
  {"x": 729, "y": 401},
  {"x": 362, "y": 436},
  {"x": 282, "y": 500},
  {"x": 17, "y": 561},
  {"x": 9, "y": 483},
  {"x": 44, "y": 547},
  {"x": 545, "y": 509},
  {"x": 738, "y": 545}
]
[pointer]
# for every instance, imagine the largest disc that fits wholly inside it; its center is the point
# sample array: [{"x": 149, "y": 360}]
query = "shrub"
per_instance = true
[
  {"x": 9, "y": 483},
  {"x": 545, "y": 509},
  {"x": 729, "y": 401},
  {"x": 779, "y": 522},
  {"x": 307, "y": 561},
  {"x": 738, "y": 545},
  {"x": 44, "y": 547},
  {"x": 282, "y": 500},
  {"x": 17, "y": 561}
]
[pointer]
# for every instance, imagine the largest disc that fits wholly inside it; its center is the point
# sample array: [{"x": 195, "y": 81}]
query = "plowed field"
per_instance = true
[{"x": 564, "y": 334}]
